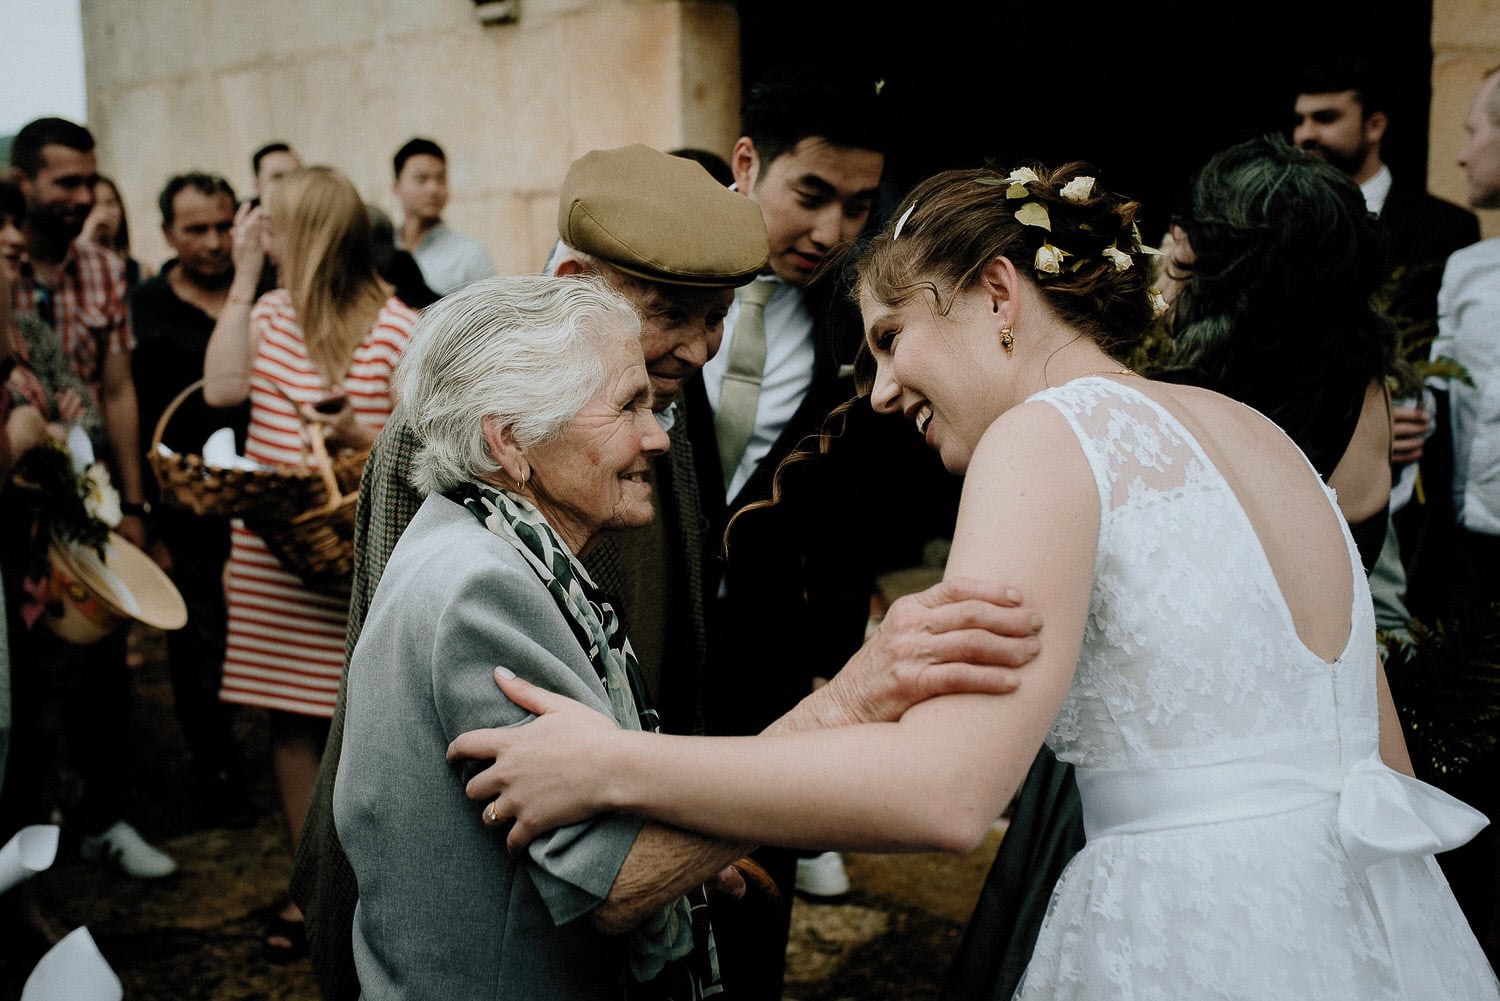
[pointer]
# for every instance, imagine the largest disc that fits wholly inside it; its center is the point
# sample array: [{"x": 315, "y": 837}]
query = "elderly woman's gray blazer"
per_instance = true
[{"x": 444, "y": 912}]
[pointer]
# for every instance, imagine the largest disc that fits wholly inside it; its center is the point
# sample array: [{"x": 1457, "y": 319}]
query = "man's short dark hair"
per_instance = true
[
  {"x": 1335, "y": 76},
  {"x": 782, "y": 110},
  {"x": 12, "y": 204},
  {"x": 265, "y": 151},
  {"x": 26, "y": 147},
  {"x": 207, "y": 185},
  {"x": 417, "y": 147}
]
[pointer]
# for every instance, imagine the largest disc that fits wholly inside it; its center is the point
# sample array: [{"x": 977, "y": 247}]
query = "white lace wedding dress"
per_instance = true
[{"x": 1244, "y": 840}]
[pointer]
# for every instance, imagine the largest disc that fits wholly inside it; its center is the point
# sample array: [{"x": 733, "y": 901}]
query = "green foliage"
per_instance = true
[
  {"x": 1414, "y": 339},
  {"x": 1445, "y": 681}
]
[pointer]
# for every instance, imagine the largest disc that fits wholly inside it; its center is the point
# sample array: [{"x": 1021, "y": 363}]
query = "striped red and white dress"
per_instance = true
[{"x": 286, "y": 641}]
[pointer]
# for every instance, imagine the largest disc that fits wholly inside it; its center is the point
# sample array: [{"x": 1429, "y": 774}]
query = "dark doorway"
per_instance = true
[{"x": 1146, "y": 92}]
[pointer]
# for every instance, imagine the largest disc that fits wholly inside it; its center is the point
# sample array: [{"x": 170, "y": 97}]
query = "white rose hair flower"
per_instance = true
[
  {"x": 1019, "y": 178},
  {"x": 1078, "y": 189},
  {"x": 1049, "y": 259},
  {"x": 1118, "y": 258}
]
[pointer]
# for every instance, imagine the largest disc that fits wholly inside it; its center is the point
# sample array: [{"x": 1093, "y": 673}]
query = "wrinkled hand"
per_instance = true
[
  {"x": 548, "y": 772},
  {"x": 248, "y": 248},
  {"x": 1410, "y": 427},
  {"x": 956, "y": 636}
]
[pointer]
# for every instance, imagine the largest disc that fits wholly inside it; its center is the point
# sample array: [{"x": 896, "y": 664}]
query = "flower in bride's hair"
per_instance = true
[
  {"x": 1019, "y": 178},
  {"x": 1141, "y": 246},
  {"x": 1117, "y": 257},
  {"x": 1079, "y": 189},
  {"x": 1158, "y": 301},
  {"x": 1034, "y": 214},
  {"x": 1049, "y": 259},
  {"x": 896, "y": 233}
]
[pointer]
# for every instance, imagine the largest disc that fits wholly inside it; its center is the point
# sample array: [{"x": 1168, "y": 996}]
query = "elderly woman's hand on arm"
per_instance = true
[{"x": 959, "y": 636}]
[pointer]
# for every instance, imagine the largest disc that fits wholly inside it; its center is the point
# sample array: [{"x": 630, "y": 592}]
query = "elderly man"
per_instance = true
[{"x": 675, "y": 244}]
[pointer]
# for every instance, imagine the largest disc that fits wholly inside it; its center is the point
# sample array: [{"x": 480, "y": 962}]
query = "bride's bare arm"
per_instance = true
[
  {"x": 935, "y": 779},
  {"x": 1392, "y": 739}
]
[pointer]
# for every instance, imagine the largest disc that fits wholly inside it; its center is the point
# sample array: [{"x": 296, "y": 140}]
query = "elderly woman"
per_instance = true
[{"x": 531, "y": 399}]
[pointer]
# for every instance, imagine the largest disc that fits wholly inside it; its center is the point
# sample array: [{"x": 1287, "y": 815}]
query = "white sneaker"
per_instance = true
[
  {"x": 822, "y": 875},
  {"x": 123, "y": 847}
]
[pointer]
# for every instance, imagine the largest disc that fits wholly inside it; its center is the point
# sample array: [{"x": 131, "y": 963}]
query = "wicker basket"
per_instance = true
[
  {"x": 318, "y": 544},
  {"x": 277, "y": 493}
]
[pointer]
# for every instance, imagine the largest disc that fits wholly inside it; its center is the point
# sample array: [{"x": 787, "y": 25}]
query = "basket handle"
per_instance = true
[
  {"x": 319, "y": 450},
  {"x": 166, "y": 415},
  {"x": 325, "y": 465}
]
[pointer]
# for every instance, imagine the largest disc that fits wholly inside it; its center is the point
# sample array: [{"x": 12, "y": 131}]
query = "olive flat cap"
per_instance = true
[{"x": 661, "y": 218}]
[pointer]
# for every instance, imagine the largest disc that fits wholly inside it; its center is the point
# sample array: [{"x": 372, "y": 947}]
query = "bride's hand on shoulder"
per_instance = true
[{"x": 547, "y": 772}]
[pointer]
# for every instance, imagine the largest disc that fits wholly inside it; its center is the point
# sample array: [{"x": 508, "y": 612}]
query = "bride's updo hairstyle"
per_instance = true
[{"x": 1075, "y": 242}]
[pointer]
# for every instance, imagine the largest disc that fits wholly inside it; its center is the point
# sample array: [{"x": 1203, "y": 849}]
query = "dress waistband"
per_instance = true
[{"x": 1381, "y": 813}]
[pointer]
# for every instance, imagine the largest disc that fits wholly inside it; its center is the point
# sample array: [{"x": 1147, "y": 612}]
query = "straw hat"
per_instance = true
[{"x": 88, "y": 598}]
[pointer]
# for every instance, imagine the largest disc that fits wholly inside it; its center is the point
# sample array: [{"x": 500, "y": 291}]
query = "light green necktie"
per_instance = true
[{"x": 735, "y": 418}]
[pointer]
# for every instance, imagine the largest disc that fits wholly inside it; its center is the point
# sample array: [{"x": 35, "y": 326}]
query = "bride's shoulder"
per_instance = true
[{"x": 1033, "y": 439}]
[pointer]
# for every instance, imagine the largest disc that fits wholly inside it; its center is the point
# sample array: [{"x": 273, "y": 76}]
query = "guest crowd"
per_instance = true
[{"x": 739, "y": 539}]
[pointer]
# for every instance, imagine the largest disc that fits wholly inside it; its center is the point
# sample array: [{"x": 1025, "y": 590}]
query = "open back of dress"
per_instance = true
[{"x": 1244, "y": 839}]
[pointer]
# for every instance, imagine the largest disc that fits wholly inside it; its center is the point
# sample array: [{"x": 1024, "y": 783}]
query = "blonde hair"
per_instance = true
[{"x": 327, "y": 264}]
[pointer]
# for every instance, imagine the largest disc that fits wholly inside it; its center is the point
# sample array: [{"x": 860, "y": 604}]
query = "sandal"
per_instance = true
[{"x": 288, "y": 930}]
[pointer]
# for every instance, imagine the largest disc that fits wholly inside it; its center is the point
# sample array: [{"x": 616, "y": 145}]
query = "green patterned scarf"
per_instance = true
[{"x": 668, "y": 936}]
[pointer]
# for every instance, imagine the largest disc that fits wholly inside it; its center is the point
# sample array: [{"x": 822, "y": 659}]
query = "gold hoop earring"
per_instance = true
[
  {"x": 1007, "y": 341},
  {"x": 521, "y": 481}
]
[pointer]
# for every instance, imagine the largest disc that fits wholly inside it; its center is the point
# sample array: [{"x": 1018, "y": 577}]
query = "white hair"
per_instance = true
[{"x": 526, "y": 350}]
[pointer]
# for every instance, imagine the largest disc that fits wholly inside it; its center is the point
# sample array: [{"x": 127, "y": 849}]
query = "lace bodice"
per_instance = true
[
  {"x": 1190, "y": 655},
  {"x": 1245, "y": 843}
]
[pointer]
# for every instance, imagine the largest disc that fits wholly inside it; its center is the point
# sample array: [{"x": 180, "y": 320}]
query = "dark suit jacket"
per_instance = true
[
  {"x": 1423, "y": 230},
  {"x": 323, "y": 883},
  {"x": 797, "y": 575}
]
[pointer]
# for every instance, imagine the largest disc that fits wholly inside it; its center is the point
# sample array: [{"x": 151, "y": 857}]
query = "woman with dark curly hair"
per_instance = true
[{"x": 1209, "y": 665}]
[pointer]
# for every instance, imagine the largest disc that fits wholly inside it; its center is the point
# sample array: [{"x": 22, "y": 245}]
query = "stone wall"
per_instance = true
[
  {"x": 182, "y": 84},
  {"x": 1465, "y": 43}
]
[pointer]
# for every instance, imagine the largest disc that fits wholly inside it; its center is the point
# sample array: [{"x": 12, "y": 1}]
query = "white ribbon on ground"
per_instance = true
[{"x": 31, "y": 850}]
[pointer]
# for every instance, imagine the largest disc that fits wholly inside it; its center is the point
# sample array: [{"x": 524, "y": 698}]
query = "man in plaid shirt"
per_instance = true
[{"x": 78, "y": 289}]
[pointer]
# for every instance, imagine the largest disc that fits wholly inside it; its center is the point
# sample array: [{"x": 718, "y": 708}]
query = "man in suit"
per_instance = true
[
  {"x": 674, "y": 243},
  {"x": 1341, "y": 116},
  {"x": 791, "y": 584}
]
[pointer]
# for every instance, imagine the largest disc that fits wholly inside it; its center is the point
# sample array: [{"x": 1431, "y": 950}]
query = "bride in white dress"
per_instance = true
[{"x": 1208, "y": 659}]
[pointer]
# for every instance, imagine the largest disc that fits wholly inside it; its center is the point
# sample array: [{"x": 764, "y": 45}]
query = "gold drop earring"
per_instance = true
[{"x": 1006, "y": 340}]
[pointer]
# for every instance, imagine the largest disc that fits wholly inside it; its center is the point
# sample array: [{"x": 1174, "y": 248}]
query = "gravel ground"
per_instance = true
[{"x": 197, "y": 934}]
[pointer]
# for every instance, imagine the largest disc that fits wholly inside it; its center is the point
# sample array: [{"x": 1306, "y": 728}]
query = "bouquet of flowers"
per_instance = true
[{"x": 77, "y": 505}]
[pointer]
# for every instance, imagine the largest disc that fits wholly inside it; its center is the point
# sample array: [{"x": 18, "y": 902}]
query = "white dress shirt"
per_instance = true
[
  {"x": 1377, "y": 189},
  {"x": 1469, "y": 333},
  {"x": 450, "y": 260}
]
